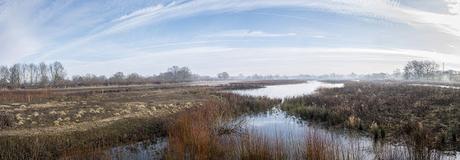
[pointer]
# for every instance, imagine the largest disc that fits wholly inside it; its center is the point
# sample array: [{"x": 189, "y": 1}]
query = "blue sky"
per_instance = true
[{"x": 285, "y": 37}]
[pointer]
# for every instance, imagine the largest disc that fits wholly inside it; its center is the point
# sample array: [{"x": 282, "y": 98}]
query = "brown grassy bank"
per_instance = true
[
  {"x": 257, "y": 84},
  {"x": 62, "y": 145}
]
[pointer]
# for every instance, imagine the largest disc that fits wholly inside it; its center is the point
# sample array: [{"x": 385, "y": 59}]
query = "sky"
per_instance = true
[{"x": 285, "y": 37}]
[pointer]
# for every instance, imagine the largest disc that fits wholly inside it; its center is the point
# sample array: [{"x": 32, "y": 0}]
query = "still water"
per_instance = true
[{"x": 286, "y": 91}]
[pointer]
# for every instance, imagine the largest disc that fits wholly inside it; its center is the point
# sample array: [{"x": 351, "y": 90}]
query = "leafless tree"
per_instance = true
[
  {"x": 57, "y": 73},
  {"x": 15, "y": 75},
  {"x": 420, "y": 69},
  {"x": 118, "y": 78},
  {"x": 4, "y": 76},
  {"x": 43, "y": 74},
  {"x": 32, "y": 73},
  {"x": 176, "y": 74},
  {"x": 134, "y": 78},
  {"x": 23, "y": 74},
  {"x": 223, "y": 75}
]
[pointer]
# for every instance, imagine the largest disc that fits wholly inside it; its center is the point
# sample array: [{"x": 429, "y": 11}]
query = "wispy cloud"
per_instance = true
[
  {"x": 383, "y": 9},
  {"x": 249, "y": 34}
]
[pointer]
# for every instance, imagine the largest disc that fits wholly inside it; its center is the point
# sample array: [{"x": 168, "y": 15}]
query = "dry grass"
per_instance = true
[
  {"x": 90, "y": 141},
  {"x": 257, "y": 84},
  {"x": 6, "y": 120},
  {"x": 195, "y": 134},
  {"x": 86, "y": 120},
  {"x": 428, "y": 117},
  {"x": 80, "y": 109}
]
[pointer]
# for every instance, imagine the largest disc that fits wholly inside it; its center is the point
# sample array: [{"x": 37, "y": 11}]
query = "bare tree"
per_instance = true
[
  {"x": 420, "y": 69},
  {"x": 24, "y": 77},
  {"x": 57, "y": 73},
  {"x": 4, "y": 76},
  {"x": 77, "y": 80},
  {"x": 15, "y": 75},
  {"x": 134, "y": 78},
  {"x": 43, "y": 74},
  {"x": 176, "y": 74},
  {"x": 223, "y": 75},
  {"x": 118, "y": 78},
  {"x": 184, "y": 74},
  {"x": 32, "y": 71},
  {"x": 36, "y": 73}
]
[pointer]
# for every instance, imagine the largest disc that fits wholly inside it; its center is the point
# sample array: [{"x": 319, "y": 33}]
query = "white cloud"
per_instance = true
[
  {"x": 249, "y": 34},
  {"x": 454, "y": 6}
]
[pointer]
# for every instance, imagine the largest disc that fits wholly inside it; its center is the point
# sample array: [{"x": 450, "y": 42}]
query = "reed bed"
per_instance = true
[
  {"x": 425, "y": 118},
  {"x": 197, "y": 134},
  {"x": 63, "y": 146}
]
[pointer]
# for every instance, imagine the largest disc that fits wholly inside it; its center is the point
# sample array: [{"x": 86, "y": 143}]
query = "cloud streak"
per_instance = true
[
  {"x": 381, "y": 9},
  {"x": 248, "y": 34}
]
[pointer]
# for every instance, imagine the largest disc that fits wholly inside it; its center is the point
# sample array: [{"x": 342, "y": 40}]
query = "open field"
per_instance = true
[{"x": 72, "y": 110}]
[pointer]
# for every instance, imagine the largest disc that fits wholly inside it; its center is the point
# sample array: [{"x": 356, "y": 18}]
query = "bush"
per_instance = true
[{"x": 6, "y": 120}]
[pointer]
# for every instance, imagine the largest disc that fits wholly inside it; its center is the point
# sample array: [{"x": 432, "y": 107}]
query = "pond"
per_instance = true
[{"x": 289, "y": 90}]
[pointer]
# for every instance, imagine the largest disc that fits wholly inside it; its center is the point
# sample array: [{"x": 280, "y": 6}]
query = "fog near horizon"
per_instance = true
[{"x": 288, "y": 37}]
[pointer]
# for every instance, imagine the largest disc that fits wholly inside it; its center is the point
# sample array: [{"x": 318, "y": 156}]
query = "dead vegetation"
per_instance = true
[
  {"x": 72, "y": 121},
  {"x": 74, "y": 108},
  {"x": 257, "y": 84},
  {"x": 195, "y": 134},
  {"x": 6, "y": 120},
  {"x": 423, "y": 117}
]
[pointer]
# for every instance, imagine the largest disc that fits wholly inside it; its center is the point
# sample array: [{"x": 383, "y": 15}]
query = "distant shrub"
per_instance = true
[
  {"x": 6, "y": 120},
  {"x": 377, "y": 131}
]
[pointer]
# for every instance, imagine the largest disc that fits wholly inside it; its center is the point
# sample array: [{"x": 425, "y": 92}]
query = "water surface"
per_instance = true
[{"x": 290, "y": 90}]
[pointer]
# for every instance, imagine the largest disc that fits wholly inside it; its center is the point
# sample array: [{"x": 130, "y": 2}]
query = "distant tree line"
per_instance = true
[
  {"x": 172, "y": 75},
  {"x": 28, "y": 75},
  {"x": 54, "y": 75}
]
